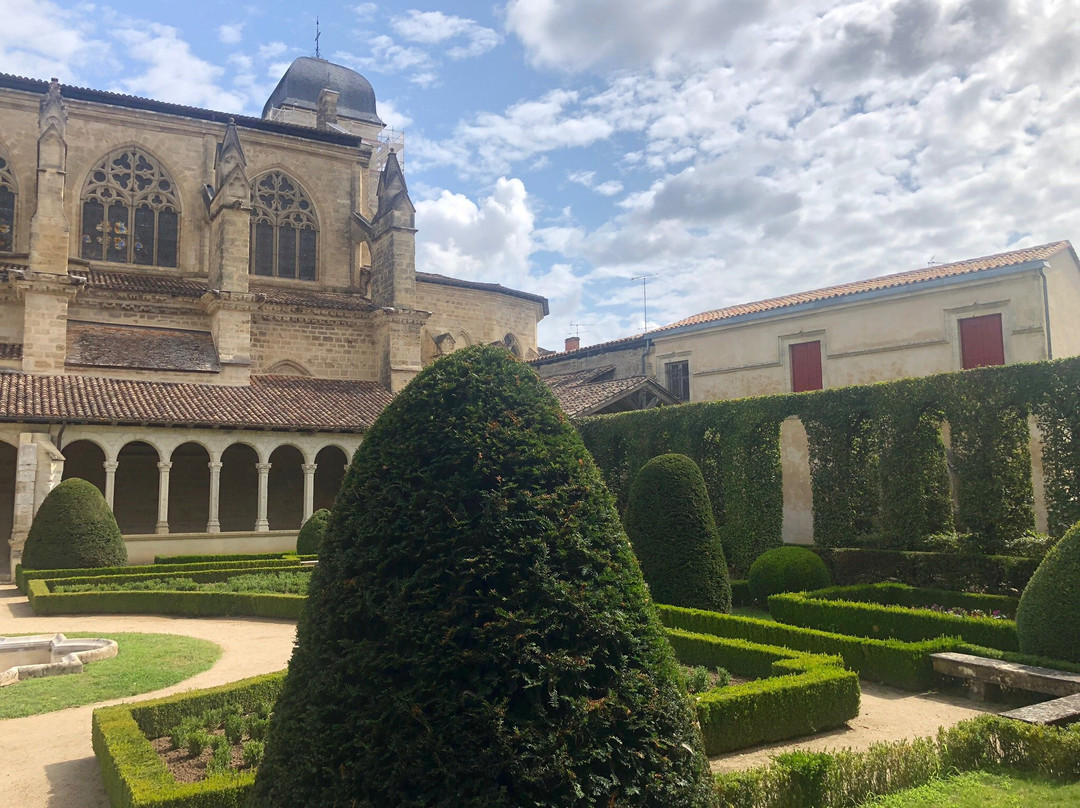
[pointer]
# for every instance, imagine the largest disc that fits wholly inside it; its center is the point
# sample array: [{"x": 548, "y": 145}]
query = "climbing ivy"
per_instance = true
[{"x": 880, "y": 472}]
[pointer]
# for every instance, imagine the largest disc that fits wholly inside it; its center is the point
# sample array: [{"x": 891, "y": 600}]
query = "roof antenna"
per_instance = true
[
  {"x": 318, "y": 34},
  {"x": 644, "y": 299}
]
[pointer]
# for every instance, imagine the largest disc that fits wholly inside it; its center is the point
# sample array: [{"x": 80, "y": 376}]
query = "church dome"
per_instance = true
[{"x": 307, "y": 77}]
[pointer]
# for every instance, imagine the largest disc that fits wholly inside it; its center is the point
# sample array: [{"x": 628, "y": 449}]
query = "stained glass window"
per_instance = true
[
  {"x": 284, "y": 232},
  {"x": 130, "y": 211},
  {"x": 7, "y": 206}
]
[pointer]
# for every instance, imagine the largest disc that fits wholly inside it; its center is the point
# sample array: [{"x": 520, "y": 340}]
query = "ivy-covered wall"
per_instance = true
[{"x": 879, "y": 468}]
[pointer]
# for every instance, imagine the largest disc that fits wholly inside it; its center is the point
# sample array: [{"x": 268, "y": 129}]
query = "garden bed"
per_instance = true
[{"x": 900, "y": 612}]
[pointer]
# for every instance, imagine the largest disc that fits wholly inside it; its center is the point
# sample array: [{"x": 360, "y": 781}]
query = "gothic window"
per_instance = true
[
  {"x": 284, "y": 233},
  {"x": 130, "y": 211},
  {"x": 7, "y": 206}
]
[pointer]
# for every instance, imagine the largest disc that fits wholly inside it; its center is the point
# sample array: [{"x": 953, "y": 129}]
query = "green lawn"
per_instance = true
[
  {"x": 144, "y": 663},
  {"x": 986, "y": 790},
  {"x": 751, "y": 611}
]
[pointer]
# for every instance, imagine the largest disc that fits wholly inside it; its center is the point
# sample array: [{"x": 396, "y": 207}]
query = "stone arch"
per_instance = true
[
  {"x": 189, "y": 488},
  {"x": 284, "y": 227},
  {"x": 84, "y": 458},
  {"x": 9, "y": 202},
  {"x": 285, "y": 488},
  {"x": 130, "y": 210},
  {"x": 287, "y": 367},
  {"x": 135, "y": 501},
  {"x": 239, "y": 496},
  {"x": 331, "y": 463},
  {"x": 464, "y": 339}
]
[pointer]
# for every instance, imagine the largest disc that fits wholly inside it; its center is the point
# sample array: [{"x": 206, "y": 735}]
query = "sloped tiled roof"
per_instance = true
[
  {"x": 137, "y": 283},
  {"x": 295, "y": 403},
  {"x": 312, "y": 298},
  {"x": 931, "y": 273},
  {"x": 107, "y": 345},
  {"x": 584, "y": 392}
]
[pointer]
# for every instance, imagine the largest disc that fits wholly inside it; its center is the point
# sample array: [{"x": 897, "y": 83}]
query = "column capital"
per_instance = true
[
  {"x": 164, "y": 466},
  {"x": 111, "y": 466},
  {"x": 214, "y": 465},
  {"x": 263, "y": 467},
  {"x": 309, "y": 468}
]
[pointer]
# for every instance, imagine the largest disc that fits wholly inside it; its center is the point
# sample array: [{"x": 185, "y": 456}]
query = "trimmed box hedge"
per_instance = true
[
  {"x": 848, "y": 610},
  {"x": 740, "y": 593},
  {"x": 901, "y": 664},
  {"x": 134, "y": 775},
  {"x": 192, "y": 604},
  {"x": 794, "y": 693},
  {"x": 202, "y": 559},
  {"x": 998, "y": 575},
  {"x": 22, "y": 576}
]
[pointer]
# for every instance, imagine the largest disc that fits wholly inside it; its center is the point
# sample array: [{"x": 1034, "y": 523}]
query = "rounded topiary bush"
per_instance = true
[
  {"x": 669, "y": 521},
  {"x": 74, "y": 529},
  {"x": 1048, "y": 617},
  {"x": 310, "y": 537},
  {"x": 786, "y": 569},
  {"x": 477, "y": 631}
]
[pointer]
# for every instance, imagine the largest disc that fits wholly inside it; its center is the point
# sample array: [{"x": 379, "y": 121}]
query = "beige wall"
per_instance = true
[
  {"x": 473, "y": 317},
  {"x": 1063, "y": 299},
  {"x": 909, "y": 334},
  {"x": 330, "y": 349}
]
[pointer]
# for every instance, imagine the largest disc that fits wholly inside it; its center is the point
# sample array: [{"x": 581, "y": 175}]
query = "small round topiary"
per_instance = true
[
  {"x": 310, "y": 537},
  {"x": 1048, "y": 617},
  {"x": 669, "y": 521},
  {"x": 786, "y": 569},
  {"x": 74, "y": 529},
  {"x": 477, "y": 631}
]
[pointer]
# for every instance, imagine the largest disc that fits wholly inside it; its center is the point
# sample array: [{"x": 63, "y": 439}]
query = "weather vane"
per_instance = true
[{"x": 318, "y": 34}]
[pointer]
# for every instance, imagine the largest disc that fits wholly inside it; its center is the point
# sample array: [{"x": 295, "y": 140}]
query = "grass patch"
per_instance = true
[
  {"x": 986, "y": 790},
  {"x": 277, "y": 583},
  {"x": 752, "y": 611},
  {"x": 145, "y": 662}
]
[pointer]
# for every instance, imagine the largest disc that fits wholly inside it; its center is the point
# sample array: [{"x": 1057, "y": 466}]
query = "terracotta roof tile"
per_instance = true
[
  {"x": 312, "y": 298},
  {"x": 107, "y": 345},
  {"x": 295, "y": 403},
  {"x": 585, "y": 391},
  {"x": 138, "y": 283},
  {"x": 10, "y": 350},
  {"x": 930, "y": 273}
]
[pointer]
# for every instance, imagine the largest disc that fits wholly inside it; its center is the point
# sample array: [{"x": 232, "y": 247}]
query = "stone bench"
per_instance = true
[{"x": 988, "y": 676}]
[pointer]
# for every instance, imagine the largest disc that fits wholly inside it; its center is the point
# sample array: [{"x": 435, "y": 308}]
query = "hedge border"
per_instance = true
[
  {"x": 905, "y": 665},
  {"x": 826, "y": 610},
  {"x": 134, "y": 775},
  {"x": 189, "y": 604},
  {"x": 211, "y": 557},
  {"x": 797, "y": 693},
  {"x": 22, "y": 576},
  {"x": 199, "y": 576}
]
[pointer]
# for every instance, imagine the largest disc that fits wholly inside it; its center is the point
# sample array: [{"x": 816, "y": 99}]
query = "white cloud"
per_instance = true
[
  {"x": 40, "y": 39},
  {"x": 588, "y": 179},
  {"x": 230, "y": 34},
  {"x": 435, "y": 28},
  {"x": 394, "y": 118}
]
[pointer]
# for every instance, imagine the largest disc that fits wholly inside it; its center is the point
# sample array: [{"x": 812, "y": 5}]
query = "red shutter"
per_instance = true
[
  {"x": 805, "y": 366},
  {"x": 980, "y": 341}
]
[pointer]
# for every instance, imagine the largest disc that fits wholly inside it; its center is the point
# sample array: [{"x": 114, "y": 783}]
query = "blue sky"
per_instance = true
[{"x": 731, "y": 149}]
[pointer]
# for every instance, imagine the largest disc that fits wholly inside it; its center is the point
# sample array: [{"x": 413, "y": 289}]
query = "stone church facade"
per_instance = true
[{"x": 202, "y": 313}]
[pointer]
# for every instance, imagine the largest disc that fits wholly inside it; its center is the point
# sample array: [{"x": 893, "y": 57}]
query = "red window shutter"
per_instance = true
[
  {"x": 805, "y": 366},
  {"x": 981, "y": 343}
]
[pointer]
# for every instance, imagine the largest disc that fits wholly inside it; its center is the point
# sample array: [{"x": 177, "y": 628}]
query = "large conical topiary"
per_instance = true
[
  {"x": 477, "y": 631},
  {"x": 310, "y": 537},
  {"x": 1048, "y": 617},
  {"x": 74, "y": 529},
  {"x": 669, "y": 520}
]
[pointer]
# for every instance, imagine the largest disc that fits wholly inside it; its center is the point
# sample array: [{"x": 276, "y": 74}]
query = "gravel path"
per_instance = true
[
  {"x": 885, "y": 714},
  {"x": 46, "y": 761}
]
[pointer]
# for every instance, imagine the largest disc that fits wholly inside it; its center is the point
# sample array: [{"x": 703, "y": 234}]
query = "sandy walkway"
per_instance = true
[
  {"x": 885, "y": 714},
  {"x": 46, "y": 761}
]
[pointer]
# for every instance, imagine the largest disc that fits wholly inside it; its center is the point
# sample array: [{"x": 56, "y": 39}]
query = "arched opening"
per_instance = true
[
  {"x": 189, "y": 489},
  {"x": 285, "y": 489},
  {"x": 239, "y": 506},
  {"x": 8, "y": 464},
  {"x": 329, "y": 474},
  {"x": 85, "y": 459},
  {"x": 135, "y": 500}
]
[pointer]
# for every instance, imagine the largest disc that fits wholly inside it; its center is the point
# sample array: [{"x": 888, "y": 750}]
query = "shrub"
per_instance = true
[
  {"x": 669, "y": 521},
  {"x": 1048, "y": 618},
  {"x": 311, "y": 534},
  {"x": 786, "y": 569},
  {"x": 75, "y": 528},
  {"x": 477, "y": 631}
]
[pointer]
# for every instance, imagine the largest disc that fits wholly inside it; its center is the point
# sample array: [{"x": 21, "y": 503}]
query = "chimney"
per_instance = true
[
  {"x": 327, "y": 109},
  {"x": 572, "y": 343}
]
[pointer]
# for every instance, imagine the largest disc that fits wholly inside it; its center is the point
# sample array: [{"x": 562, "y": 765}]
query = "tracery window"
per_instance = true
[
  {"x": 8, "y": 193},
  {"x": 284, "y": 232},
  {"x": 130, "y": 211}
]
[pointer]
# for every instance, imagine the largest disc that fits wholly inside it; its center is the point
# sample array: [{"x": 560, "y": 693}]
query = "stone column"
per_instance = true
[
  {"x": 163, "y": 498},
  {"x": 110, "y": 480},
  {"x": 214, "y": 525},
  {"x": 261, "y": 525},
  {"x": 309, "y": 489}
]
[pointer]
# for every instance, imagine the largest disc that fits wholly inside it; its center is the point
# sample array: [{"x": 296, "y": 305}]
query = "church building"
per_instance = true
[{"x": 201, "y": 312}]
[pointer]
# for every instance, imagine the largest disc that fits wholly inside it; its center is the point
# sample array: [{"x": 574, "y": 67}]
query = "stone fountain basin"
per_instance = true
[{"x": 49, "y": 655}]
